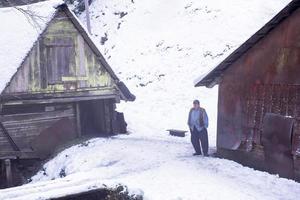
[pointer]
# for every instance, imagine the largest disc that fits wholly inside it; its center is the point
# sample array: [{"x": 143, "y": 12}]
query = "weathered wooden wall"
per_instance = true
[
  {"x": 43, "y": 106},
  {"x": 25, "y": 123},
  {"x": 60, "y": 61},
  {"x": 265, "y": 79}
]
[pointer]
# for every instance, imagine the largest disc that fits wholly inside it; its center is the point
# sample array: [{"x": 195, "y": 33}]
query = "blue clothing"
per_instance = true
[{"x": 194, "y": 119}]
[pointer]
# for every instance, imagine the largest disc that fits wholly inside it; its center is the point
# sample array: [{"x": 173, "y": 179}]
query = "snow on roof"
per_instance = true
[{"x": 20, "y": 28}]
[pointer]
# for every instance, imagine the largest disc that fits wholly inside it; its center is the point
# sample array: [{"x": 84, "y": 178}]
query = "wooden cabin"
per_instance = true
[
  {"x": 55, "y": 84},
  {"x": 259, "y": 97}
]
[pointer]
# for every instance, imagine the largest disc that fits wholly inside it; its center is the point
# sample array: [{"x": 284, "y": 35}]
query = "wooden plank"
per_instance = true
[
  {"x": 43, "y": 64},
  {"x": 51, "y": 65},
  {"x": 31, "y": 117},
  {"x": 101, "y": 115},
  {"x": 78, "y": 122},
  {"x": 61, "y": 94},
  {"x": 108, "y": 116},
  {"x": 8, "y": 172},
  {"x": 24, "y": 127},
  {"x": 60, "y": 100},
  {"x": 11, "y": 141},
  {"x": 18, "y": 154},
  {"x": 82, "y": 65}
]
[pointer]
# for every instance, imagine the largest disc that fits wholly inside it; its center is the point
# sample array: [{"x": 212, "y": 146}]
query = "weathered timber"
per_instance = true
[
  {"x": 11, "y": 141},
  {"x": 8, "y": 172},
  {"x": 24, "y": 127},
  {"x": 78, "y": 123},
  {"x": 179, "y": 133}
]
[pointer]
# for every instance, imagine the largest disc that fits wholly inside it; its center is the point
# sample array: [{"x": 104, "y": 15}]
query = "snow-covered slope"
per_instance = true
[{"x": 158, "y": 48}]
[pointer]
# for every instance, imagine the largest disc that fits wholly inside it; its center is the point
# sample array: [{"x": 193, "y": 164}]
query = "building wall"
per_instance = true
[
  {"x": 25, "y": 123},
  {"x": 61, "y": 61},
  {"x": 265, "y": 79},
  {"x": 33, "y": 107}
]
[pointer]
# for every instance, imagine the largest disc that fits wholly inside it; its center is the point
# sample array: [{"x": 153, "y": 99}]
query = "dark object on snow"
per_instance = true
[
  {"x": 178, "y": 133},
  {"x": 260, "y": 77},
  {"x": 277, "y": 142},
  {"x": 79, "y": 5},
  {"x": 118, "y": 193},
  {"x": 103, "y": 39}
]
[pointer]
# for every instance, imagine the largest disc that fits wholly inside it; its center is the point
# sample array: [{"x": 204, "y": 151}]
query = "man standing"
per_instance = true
[{"x": 198, "y": 123}]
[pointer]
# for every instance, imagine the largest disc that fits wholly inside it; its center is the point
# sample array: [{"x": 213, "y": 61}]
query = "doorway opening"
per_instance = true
[{"x": 96, "y": 117}]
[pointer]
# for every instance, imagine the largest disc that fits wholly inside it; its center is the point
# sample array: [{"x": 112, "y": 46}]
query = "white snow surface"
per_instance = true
[
  {"x": 160, "y": 168},
  {"x": 158, "y": 49},
  {"x": 20, "y": 28}
]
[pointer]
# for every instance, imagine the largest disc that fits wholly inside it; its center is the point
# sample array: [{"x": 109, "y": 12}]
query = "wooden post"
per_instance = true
[
  {"x": 8, "y": 172},
  {"x": 87, "y": 12},
  {"x": 107, "y": 117},
  {"x": 78, "y": 123}
]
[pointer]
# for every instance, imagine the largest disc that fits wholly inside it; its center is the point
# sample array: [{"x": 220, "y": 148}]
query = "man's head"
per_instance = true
[{"x": 196, "y": 104}]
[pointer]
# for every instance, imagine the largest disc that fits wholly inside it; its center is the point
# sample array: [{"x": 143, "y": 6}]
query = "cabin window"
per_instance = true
[{"x": 60, "y": 59}]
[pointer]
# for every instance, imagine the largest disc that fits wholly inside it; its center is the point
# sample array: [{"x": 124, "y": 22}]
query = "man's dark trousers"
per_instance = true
[{"x": 198, "y": 136}]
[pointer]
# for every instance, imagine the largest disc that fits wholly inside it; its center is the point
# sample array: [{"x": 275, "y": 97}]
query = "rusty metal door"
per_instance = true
[{"x": 277, "y": 142}]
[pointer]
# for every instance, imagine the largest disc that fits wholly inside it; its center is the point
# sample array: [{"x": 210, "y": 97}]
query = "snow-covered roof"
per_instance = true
[
  {"x": 20, "y": 27},
  {"x": 17, "y": 38}
]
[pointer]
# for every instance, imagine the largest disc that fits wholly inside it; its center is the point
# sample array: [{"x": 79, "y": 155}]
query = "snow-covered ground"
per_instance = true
[
  {"x": 158, "y": 48},
  {"x": 160, "y": 168}
]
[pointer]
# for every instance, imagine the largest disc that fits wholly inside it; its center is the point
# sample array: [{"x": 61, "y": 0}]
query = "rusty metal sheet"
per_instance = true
[
  {"x": 60, "y": 132},
  {"x": 277, "y": 142}
]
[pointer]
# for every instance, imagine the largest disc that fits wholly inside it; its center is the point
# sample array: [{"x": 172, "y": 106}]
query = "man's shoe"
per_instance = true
[
  {"x": 206, "y": 155},
  {"x": 197, "y": 154}
]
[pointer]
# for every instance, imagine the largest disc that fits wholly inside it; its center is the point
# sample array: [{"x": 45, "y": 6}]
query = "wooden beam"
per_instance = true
[
  {"x": 59, "y": 100},
  {"x": 8, "y": 172},
  {"x": 106, "y": 117},
  {"x": 78, "y": 122},
  {"x": 85, "y": 92},
  {"x": 11, "y": 141},
  {"x": 18, "y": 154}
]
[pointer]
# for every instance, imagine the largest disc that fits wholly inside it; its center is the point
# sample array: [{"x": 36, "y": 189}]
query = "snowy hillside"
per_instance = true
[{"x": 158, "y": 48}]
